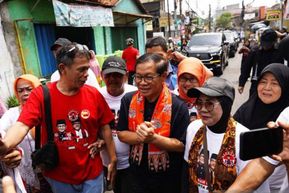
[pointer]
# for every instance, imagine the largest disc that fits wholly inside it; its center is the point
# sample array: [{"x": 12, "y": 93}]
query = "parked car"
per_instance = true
[
  {"x": 211, "y": 48},
  {"x": 233, "y": 43}
]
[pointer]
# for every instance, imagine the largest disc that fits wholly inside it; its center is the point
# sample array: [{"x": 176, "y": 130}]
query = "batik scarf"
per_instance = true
[
  {"x": 224, "y": 173},
  {"x": 158, "y": 159}
]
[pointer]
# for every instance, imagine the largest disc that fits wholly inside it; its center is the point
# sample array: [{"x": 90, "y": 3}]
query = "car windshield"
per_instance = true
[
  {"x": 205, "y": 39},
  {"x": 229, "y": 37}
]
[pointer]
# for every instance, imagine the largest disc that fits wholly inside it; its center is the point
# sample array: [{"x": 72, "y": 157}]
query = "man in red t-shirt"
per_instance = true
[
  {"x": 130, "y": 54},
  {"x": 79, "y": 169}
]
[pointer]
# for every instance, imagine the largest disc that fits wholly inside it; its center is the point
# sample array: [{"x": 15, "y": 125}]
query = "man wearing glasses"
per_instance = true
[
  {"x": 79, "y": 170},
  {"x": 153, "y": 121}
]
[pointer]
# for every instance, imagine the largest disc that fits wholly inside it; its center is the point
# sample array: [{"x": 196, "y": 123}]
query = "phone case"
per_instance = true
[{"x": 260, "y": 142}]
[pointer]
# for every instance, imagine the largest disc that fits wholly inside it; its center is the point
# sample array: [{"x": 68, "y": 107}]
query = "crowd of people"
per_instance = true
[{"x": 161, "y": 124}]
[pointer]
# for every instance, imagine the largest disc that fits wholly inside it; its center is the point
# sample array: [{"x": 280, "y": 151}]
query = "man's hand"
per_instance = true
[
  {"x": 111, "y": 172},
  {"x": 96, "y": 147},
  {"x": 3, "y": 148},
  {"x": 240, "y": 89},
  {"x": 145, "y": 132},
  {"x": 12, "y": 159},
  {"x": 177, "y": 56},
  {"x": 8, "y": 185}
]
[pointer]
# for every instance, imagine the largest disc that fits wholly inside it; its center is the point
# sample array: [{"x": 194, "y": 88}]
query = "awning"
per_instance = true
[{"x": 127, "y": 18}]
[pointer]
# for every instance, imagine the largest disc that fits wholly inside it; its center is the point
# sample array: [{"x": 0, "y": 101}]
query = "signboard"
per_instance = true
[
  {"x": 81, "y": 15},
  {"x": 149, "y": 26},
  {"x": 156, "y": 34},
  {"x": 163, "y": 21},
  {"x": 249, "y": 16},
  {"x": 273, "y": 15}
]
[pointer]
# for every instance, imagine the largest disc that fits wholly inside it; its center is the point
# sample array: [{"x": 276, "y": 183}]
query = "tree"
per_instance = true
[{"x": 224, "y": 21}]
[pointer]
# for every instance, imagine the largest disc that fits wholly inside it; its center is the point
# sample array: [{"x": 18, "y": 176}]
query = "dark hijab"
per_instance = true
[
  {"x": 254, "y": 113},
  {"x": 221, "y": 126}
]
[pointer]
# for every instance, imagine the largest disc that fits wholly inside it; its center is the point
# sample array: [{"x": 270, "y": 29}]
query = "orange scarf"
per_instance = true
[
  {"x": 224, "y": 173},
  {"x": 161, "y": 119}
]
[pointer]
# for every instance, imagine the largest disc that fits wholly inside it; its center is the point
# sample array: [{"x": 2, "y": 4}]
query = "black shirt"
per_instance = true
[
  {"x": 257, "y": 60},
  {"x": 179, "y": 124}
]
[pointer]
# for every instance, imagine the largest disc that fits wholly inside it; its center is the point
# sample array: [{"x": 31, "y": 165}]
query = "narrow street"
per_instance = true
[{"x": 232, "y": 73}]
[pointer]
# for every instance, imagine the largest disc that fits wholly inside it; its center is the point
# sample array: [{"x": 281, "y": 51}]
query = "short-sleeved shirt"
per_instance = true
[
  {"x": 130, "y": 55},
  {"x": 214, "y": 145},
  {"x": 76, "y": 121},
  {"x": 179, "y": 123},
  {"x": 121, "y": 149}
]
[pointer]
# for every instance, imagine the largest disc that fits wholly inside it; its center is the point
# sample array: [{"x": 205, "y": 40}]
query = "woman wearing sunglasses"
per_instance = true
[{"x": 212, "y": 143}]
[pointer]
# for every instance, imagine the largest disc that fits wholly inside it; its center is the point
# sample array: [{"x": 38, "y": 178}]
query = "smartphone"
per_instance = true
[{"x": 261, "y": 142}]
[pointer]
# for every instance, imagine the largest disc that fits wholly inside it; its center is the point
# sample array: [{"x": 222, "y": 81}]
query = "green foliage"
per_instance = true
[
  {"x": 224, "y": 21},
  {"x": 12, "y": 102}
]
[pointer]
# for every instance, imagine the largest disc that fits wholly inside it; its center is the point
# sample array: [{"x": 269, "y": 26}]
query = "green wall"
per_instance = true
[
  {"x": 125, "y": 5},
  {"x": 99, "y": 38},
  {"x": 24, "y": 13},
  {"x": 20, "y": 13}
]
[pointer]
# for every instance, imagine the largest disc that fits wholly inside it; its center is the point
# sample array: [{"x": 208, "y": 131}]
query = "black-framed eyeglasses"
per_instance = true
[
  {"x": 209, "y": 105},
  {"x": 191, "y": 80},
  {"x": 147, "y": 78}
]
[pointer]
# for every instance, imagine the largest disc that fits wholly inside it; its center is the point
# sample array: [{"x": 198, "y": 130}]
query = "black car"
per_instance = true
[{"x": 211, "y": 48}]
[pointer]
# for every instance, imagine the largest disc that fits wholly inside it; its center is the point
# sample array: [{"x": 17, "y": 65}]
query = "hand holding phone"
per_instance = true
[{"x": 261, "y": 142}]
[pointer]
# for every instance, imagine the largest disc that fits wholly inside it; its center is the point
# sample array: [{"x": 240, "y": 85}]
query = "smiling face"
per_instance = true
[
  {"x": 269, "y": 89},
  {"x": 148, "y": 81},
  {"x": 187, "y": 81},
  {"x": 114, "y": 83},
  {"x": 211, "y": 114}
]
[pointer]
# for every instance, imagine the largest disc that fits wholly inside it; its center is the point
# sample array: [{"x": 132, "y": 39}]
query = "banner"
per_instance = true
[
  {"x": 81, "y": 15},
  {"x": 273, "y": 15}
]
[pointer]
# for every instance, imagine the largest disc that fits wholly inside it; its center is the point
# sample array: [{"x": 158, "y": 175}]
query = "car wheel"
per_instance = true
[{"x": 219, "y": 71}]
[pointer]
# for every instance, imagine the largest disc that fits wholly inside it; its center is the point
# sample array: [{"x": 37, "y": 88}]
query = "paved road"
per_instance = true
[{"x": 232, "y": 73}]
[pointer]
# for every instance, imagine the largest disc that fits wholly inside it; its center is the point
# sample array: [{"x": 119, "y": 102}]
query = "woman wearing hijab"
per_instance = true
[
  {"x": 191, "y": 73},
  {"x": 271, "y": 98},
  {"x": 23, "y": 85},
  {"x": 212, "y": 142}
]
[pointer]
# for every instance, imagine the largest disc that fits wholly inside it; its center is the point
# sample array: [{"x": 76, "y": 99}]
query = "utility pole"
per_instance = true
[
  {"x": 181, "y": 27},
  {"x": 209, "y": 17},
  {"x": 169, "y": 18},
  {"x": 175, "y": 16},
  {"x": 180, "y": 7},
  {"x": 281, "y": 7}
]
